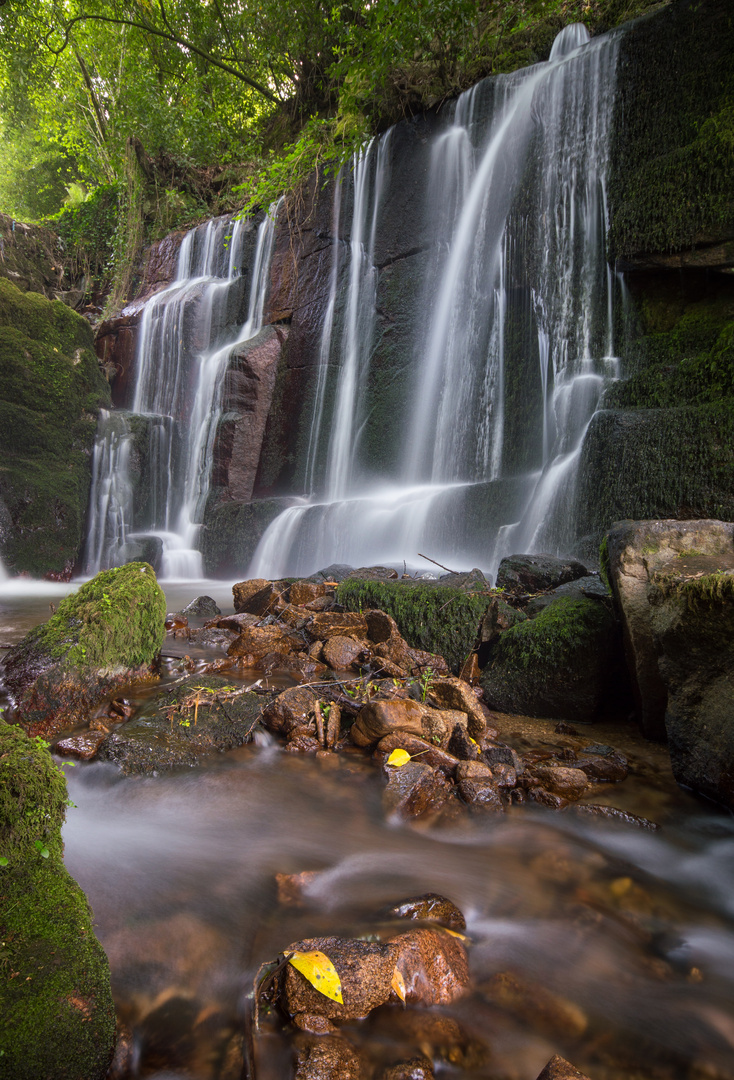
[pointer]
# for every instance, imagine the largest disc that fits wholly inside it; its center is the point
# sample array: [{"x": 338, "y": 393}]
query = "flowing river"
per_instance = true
[{"x": 622, "y": 938}]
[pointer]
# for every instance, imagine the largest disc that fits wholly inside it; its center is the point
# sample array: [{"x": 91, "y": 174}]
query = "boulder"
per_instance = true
[
  {"x": 104, "y": 636},
  {"x": 418, "y": 748},
  {"x": 58, "y": 1017},
  {"x": 416, "y": 1068},
  {"x": 201, "y": 607},
  {"x": 380, "y": 718},
  {"x": 660, "y": 573},
  {"x": 536, "y": 573},
  {"x": 560, "y": 1069},
  {"x": 303, "y": 592},
  {"x": 453, "y": 693},
  {"x": 559, "y": 664},
  {"x": 341, "y": 652},
  {"x": 569, "y": 783},
  {"x": 365, "y": 970},
  {"x": 414, "y": 790},
  {"x": 289, "y": 710},
  {"x": 257, "y": 596},
  {"x": 434, "y": 966},
  {"x": 326, "y": 624},
  {"x": 258, "y": 641},
  {"x": 481, "y": 793}
]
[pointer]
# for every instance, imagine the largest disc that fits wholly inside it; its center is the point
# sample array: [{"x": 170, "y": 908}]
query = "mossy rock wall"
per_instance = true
[
  {"x": 232, "y": 531},
  {"x": 51, "y": 390},
  {"x": 672, "y": 181},
  {"x": 436, "y": 618},
  {"x": 58, "y": 1017}
]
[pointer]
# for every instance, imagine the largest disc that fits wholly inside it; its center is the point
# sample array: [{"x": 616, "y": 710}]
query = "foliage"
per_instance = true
[
  {"x": 317, "y": 968},
  {"x": 88, "y": 229},
  {"x": 32, "y": 798}
]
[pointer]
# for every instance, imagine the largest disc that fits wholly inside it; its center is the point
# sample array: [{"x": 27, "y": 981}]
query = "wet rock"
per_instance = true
[
  {"x": 612, "y": 768},
  {"x": 165, "y": 1032},
  {"x": 555, "y": 665},
  {"x": 440, "y": 724},
  {"x": 334, "y": 572},
  {"x": 473, "y": 770},
  {"x": 104, "y": 636},
  {"x": 83, "y": 747},
  {"x": 123, "y": 1062},
  {"x": 498, "y": 617},
  {"x": 180, "y": 727},
  {"x": 237, "y": 623},
  {"x": 536, "y": 573},
  {"x": 291, "y": 887},
  {"x": 301, "y": 742},
  {"x": 502, "y": 755},
  {"x": 461, "y": 745},
  {"x": 570, "y": 783},
  {"x": 612, "y": 813},
  {"x": 322, "y": 603},
  {"x": 452, "y": 693},
  {"x": 382, "y": 666},
  {"x": 381, "y": 627},
  {"x": 329, "y": 624},
  {"x": 176, "y": 621},
  {"x": 314, "y": 1025},
  {"x": 504, "y": 775},
  {"x": 212, "y": 637},
  {"x": 380, "y": 718},
  {"x": 549, "y": 799},
  {"x": 414, "y": 661},
  {"x": 201, "y": 607},
  {"x": 365, "y": 970},
  {"x": 289, "y": 710},
  {"x": 438, "y": 1036},
  {"x": 560, "y": 1069},
  {"x": 303, "y": 592},
  {"x": 257, "y": 641},
  {"x": 374, "y": 573},
  {"x": 416, "y": 1068},
  {"x": 429, "y": 906},
  {"x": 328, "y": 1058},
  {"x": 341, "y": 652},
  {"x": 425, "y": 752},
  {"x": 414, "y": 790},
  {"x": 471, "y": 581},
  {"x": 244, "y": 590},
  {"x": 481, "y": 794},
  {"x": 535, "y": 1005},
  {"x": 434, "y": 966}
]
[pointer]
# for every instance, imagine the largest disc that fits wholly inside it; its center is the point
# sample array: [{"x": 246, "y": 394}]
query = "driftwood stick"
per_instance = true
[{"x": 437, "y": 564}]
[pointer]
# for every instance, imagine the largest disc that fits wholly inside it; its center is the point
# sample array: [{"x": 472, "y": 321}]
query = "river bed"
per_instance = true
[{"x": 631, "y": 932}]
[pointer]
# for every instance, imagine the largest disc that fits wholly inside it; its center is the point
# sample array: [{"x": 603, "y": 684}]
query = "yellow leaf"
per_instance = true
[
  {"x": 398, "y": 984},
  {"x": 320, "y": 972},
  {"x": 398, "y": 758},
  {"x": 455, "y": 933},
  {"x": 474, "y": 741}
]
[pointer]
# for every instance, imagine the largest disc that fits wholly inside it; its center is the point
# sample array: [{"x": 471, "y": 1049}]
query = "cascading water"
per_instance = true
[
  {"x": 516, "y": 204},
  {"x": 187, "y": 334}
]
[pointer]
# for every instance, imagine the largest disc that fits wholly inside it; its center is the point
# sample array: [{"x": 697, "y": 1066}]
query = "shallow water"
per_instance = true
[{"x": 633, "y": 929}]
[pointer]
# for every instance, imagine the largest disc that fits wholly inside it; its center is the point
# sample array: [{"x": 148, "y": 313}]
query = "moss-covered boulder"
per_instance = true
[
  {"x": 51, "y": 389},
  {"x": 179, "y": 728},
  {"x": 105, "y": 635},
  {"x": 436, "y": 618},
  {"x": 58, "y": 1018},
  {"x": 559, "y": 664}
]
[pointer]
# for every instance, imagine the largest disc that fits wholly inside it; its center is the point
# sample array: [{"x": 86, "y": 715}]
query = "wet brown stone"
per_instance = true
[
  {"x": 473, "y": 770},
  {"x": 328, "y": 1057},
  {"x": 452, "y": 693},
  {"x": 244, "y": 590},
  {"x": 414, "y": 790},
  {"x": 560, "y": 1069},
  {"x": 543, "y": 797},
  {"x": 322, "y": 603},
  {"x": 304, "y": 592},
  {"x": 175, "y": 621},
  {"x": 439, "y": 1036},
  {"x": 236, "y": 622},
  {"x": 612, "y": 768},
  {"x": 462, "y": 745},
  {"x": 258, "y": 641},
  {"x": 289, "y": 710},
  {"x": 83, "y": 746},
  {"x": 439, "y": 725},
  {"x": 470, "y": 670},
  {"x": 434, "y": 966},
  {"x": 380, "y": 718},
  {"x": 414, "y": 661},
  {"x": 612, "y": 813},
  {"x": 533, "y": 1004},
  {"x": 291, "y": 887},
  {"x": 430, "y": 906},
  {"x": 365, "y": 971},
  {"x": 416, "y": 1068},
  {"x": 313, "y": 1024},
  {"x": 302, "y": 744},
  {"x": 381, "y": 627},
  {"x": 425, "y": 752},
  {"x": 383, "y": 666},
  {"x": 328, "y": 624},
  {"x": 341, "y": 652},
  {"x": 568, "y": 783},
  {"x": 481, "y": 795},
  {"x": 504, "y": 775}
]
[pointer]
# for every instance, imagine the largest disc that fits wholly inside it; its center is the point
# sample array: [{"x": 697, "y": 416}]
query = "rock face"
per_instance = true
[
  {"x": 29, "y": 257},
  {"x": 674, "y": 582},
  {"x": 559, "y": 664},
  {"x": 531, "y": 573},
  {"x": 50, "y": 390},
  {"x": 57, "y": 1008},
  {"x": 101, "y": 637}
]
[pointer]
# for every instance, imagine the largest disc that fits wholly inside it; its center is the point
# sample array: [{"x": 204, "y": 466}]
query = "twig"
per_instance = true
[
  {"x": 437, "y": 564},
  {"x": 319, "y": 721}
]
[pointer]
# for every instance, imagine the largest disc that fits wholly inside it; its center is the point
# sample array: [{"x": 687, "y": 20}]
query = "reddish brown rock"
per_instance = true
[
  {"x": 530, "y": 1002},
  {"x": 243, "y": 590},
  {"x": 473, "y": 770},
  {"x": 416, "y": 1068},
  {"x": 381, "y": 627},
  {"x": 328, "y": 1057},
  {"x": 452, "y": 693},
  {"x": 414, "y": 790},
  {"x": 543, "y": 797},
  {"x": 429, "y": 906},
  {"x": 341, "y": 652},
  {"x": 328, "y": 624},
  {"x": 304, "y": 592},
  {"x": 568, "y": 783},
  {"x": 380, "y": 718},
  {"x": 291, "y": 887},
  {"x": 481, "y": 794},
  {"x": 418, "y": 748},
  {"x": 612, "y": 813},
  {"x": 560, "y": 1069},
  {"x": 610, "y": 768},
  {"x": 461, "y": 743},
  {"x": 314, "y": 1025},
  {"x": 257, "y": 641},
  {"x": 365, "y": 970},
  {"x": 289, "y": 710},
  {"x": 434, "y": 966},
  {"x": 83, "y": 746},
  {"x": 414, "y": 661},
  {"x": 264, "y": 601},
  {"x": 236, "y": 622}
]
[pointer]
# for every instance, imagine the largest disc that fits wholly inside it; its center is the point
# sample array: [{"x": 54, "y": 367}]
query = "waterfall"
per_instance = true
[
  {"x": 186, "y": 335},
  {"x": 516, "y": 202}
]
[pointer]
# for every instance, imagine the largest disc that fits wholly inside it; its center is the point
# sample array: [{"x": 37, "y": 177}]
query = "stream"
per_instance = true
[{"x": 629, "y": 934}]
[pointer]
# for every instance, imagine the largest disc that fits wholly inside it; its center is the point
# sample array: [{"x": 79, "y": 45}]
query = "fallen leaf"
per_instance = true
[
  {"x": 320, "y": 972},
  {"x": 398, "y": 984},
  {"x": 455, "y": 933},
  {"x": 398, "y": 758}
]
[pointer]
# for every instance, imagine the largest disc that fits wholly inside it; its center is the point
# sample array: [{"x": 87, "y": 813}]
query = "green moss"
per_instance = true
[
  {"x": 55, "y": 996},
  {"x": 115, "y": 620},
  {"x": 553, "y": 636},
  {"x": 432, "y": 617}
]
